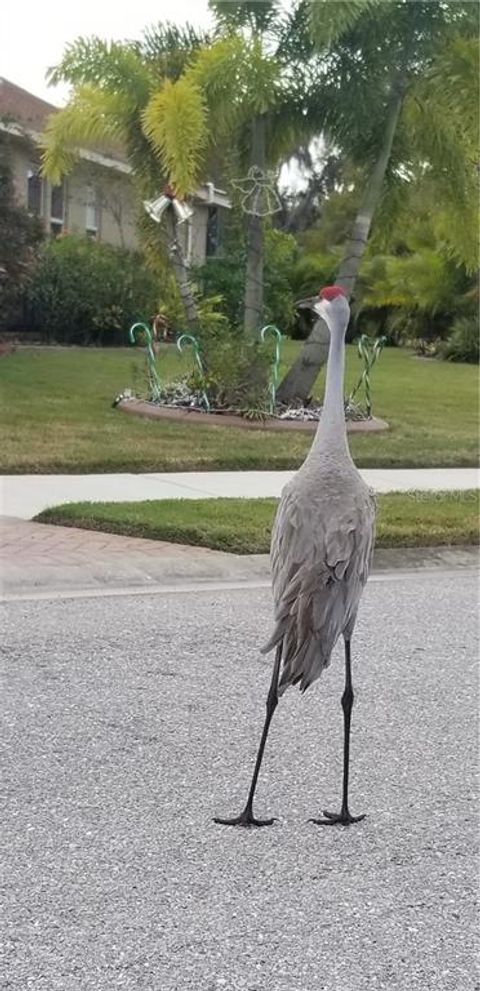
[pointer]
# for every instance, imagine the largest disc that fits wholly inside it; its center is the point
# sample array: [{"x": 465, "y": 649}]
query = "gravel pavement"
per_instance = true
[{"x": 130, "y": 722}]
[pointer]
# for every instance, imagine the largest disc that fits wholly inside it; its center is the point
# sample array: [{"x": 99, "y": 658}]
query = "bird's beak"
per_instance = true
[
  {"x": 320, "y": 308},
  {"x": 305, "y": 304}
]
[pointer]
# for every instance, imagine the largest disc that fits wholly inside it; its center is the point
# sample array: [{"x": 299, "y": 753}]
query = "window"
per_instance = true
[
  {"x": 57, "y": 209},
  {"x": 92, "y": 213},
  {"x": 34, "y": 191},
  {"x": 212, "y": 232}
]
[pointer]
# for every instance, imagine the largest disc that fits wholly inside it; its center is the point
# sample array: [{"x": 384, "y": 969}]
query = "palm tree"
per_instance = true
[
  {"x": 380, "y": 82},
  {"x": 420, "y": 276},
  {"x": 256, "y": 105},
  {"x": 117, "y": 90},
  {"x": 254, "y": 109},
  {"x": 176, "y": 101}
]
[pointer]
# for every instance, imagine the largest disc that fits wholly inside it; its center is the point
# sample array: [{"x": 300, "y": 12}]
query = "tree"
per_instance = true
[
  {"x": 419, "y": 277},
  {"x": 255, "y": 107},
  {"x": 118, "y": 89},
  {"x": 175, "y": 103},
  {"x": 231, "y": 81},
  {"x": 383, "y": 51},
  {"x": 173, "y": 100},
  {"x": 321, "y": 174}
]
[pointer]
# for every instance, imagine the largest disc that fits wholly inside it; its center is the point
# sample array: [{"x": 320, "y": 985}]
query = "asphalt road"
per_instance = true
[{"x": 129, "y": 722}]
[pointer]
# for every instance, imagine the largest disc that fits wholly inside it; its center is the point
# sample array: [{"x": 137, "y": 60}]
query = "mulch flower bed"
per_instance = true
[{"x": 304, "y": 418}]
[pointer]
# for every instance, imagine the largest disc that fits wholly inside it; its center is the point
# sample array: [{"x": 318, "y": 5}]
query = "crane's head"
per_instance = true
[{"x": 332, "y": 306}]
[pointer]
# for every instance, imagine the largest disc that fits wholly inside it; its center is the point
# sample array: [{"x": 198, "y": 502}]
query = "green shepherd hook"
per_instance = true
[
  {"x": 155, "y": 387},
  {"x": 276, "y": 361},
  {"x": 190, "y": 339},
  {"x": 369, "y": 352}
]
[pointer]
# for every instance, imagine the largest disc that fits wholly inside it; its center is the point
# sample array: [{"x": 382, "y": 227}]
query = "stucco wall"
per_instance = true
[{"x": 116, "y": 200}]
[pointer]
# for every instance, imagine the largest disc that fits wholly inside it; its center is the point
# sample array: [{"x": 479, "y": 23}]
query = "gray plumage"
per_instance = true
[{"x": 323, "y": 535}]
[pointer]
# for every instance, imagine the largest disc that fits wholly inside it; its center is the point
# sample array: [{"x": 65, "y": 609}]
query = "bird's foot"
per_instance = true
[
  {"x": 342, "y": 818},
  {"x": 246, "y": 819}
]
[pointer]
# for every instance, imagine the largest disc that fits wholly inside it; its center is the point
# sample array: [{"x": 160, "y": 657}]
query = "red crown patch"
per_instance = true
[{"x": 331, "y": 292}]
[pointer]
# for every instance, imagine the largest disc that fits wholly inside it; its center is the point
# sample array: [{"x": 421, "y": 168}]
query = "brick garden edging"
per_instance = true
[{"x": 138, "y": 407}]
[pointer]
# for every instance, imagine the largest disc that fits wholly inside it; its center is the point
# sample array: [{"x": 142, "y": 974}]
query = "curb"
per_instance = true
[
  {"x": 216, "y": 571},
  {"x": 152, "y": 411}
]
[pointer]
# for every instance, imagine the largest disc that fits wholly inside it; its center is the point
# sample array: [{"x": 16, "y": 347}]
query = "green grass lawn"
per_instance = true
[
  {"x": 243, "y": 526},
  {"x": 56, "y": 416}
]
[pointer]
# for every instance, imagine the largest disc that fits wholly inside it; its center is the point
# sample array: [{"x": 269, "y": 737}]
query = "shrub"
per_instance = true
[
  {"x": 463, "y": 343},
  {"x": 224, "y": 276},
  {"x": 20, "y": 236},
  {"x": 280, "y": 257},
  {"x": 311, "y": 272},
  {"x": 237, "y": 370},
  {"x": 87, "y": 293}
]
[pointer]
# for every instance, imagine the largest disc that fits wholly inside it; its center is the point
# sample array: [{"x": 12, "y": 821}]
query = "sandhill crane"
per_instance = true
[{"x": 322, "y": 545}]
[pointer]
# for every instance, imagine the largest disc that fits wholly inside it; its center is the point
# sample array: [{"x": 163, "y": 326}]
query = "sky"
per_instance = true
[{"x": 34, "y": 34}]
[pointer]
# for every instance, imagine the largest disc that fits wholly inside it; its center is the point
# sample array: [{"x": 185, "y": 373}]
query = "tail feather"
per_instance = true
[
  {"x": 303, "y": 665},
  {"x": 275, "y": 639}
]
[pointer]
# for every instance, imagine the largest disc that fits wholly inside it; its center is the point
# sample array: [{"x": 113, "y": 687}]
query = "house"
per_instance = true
[{"x": 97, "y": 198}]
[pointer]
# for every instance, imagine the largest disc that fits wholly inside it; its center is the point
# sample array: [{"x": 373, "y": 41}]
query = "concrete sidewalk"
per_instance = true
[
  {"x": 57, "y": 561},
  {"x": 23, "y": 496}
]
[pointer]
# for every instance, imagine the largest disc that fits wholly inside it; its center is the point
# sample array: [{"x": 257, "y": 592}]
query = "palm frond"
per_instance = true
[
  {"x": 236, "y": 14},
  {"x": 169, "y": 47},
  {"x": 111, "y": 66},
  {"x": 236, "y": 77},
  {"x": 441, "y": 115},
  {"x": 451, "y": 89},
  {"x": 175, "y": 123},
  {"x": 328, "y": 21},
  {"x": 92, "y": 118},
  {"x": 218, "y": 70},
  {"x": 423, "y": 281},
  {"x": 295, "y": 45}
]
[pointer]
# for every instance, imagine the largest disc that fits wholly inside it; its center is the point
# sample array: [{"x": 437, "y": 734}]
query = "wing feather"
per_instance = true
[{"x": 321, "y": 552}]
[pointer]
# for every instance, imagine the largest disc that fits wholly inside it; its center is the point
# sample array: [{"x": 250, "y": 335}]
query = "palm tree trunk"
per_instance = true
[
  {"x": 299, "y": 380},
  {"x": 254, "y": 276},
  {"x": 180, "y": 270}
]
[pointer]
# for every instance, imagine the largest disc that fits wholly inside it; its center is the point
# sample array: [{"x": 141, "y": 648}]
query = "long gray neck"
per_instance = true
[{"x": 331, "y": 433}]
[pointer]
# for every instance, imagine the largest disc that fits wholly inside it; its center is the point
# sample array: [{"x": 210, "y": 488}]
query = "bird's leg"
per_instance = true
[
  {"x": 343, "y": 817},
  {"x": 247, "y": 818}
]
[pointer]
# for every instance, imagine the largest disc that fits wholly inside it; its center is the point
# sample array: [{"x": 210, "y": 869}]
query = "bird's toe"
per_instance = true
[
  {"x": 337, "y": 819},
  {"x": 245, "y": 820}
]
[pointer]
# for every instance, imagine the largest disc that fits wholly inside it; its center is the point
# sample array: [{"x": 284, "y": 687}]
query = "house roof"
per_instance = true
[{"x": 22, "y": 107}]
